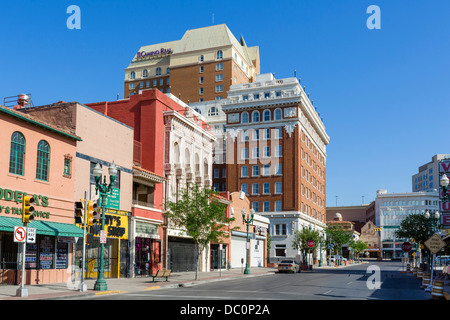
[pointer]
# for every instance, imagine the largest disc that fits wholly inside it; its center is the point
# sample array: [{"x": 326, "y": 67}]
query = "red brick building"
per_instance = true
[{"x": 164, "y": 160}]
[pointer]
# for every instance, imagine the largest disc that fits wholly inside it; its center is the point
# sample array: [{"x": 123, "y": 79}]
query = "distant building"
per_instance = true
[
  {"x": 428, "y": 176},
  {"x": 276, "y": 154},
  {"x": 199, "y": 67},
  {"x": 392, "y": 208},
  {"x": 358, "y": 215}
]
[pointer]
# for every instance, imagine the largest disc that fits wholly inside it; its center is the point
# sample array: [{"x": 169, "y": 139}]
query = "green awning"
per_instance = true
[{"x": 42, "y": 227}]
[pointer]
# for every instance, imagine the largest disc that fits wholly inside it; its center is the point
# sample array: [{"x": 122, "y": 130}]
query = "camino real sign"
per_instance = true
[{"x": 444, "y": 168}]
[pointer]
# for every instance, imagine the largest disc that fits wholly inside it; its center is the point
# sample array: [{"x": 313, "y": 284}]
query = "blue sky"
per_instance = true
[{"x": 382, "y": 93}]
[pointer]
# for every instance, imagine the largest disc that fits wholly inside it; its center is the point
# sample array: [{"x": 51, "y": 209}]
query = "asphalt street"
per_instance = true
[{"x": 374, "y": 281}]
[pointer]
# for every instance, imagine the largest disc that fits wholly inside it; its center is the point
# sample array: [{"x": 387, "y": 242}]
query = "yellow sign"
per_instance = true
[{"x": 116, "y": 225}]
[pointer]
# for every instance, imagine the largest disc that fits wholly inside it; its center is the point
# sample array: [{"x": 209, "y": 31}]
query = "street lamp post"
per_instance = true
[
  {"x": 248, "y": 221},
  {"x": 105, "y": 190}
]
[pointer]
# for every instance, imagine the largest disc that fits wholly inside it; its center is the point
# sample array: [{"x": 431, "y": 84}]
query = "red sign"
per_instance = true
[
  {"x": 406, "y": 246},
  {"x": 310, "y": 243}
]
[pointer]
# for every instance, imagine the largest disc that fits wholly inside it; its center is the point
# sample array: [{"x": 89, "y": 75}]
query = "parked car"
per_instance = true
[
  {"x": 335, "y": 258},
  {"x": 288, "y": 266},
  {"x": 443, "y": 260}
]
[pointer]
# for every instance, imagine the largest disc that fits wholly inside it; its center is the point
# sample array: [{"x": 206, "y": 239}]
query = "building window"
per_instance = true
[
  {"x": 141, "y": 84},
  {"x": 278, "y": 151},
  {"x": 266, "y": 206},
  {"x": 213, "y": 111},
  {"x": 201, "y": 91},
  {"x": 245, "y": 97},
  {"x": 219, "y": 98},
  {"x": 266, "y": 152},
  {"x": 216, "y": 173},
  {"x": 266, "y": 134},
  {"x": 280, "y": 249},
  {"x": 278, "y": 169},
  {"x": 201, "y": 80},
  {"x": 278, "y": 205},
  {"x": 67, "y": 165},
  {"x": 255, "y": 171},
  {"x": 147, "y": 83},
  {"x": 255, "y": 206},
  {"x": 256, "y": 96},
  {"x": 17, "y": 155},
  {"x": 161, "y": 82},
  {"x": 132, "y": 86},
  {"x": 278, "y": 133},
  {"x": 145, "y": 73},
  {"x": 278, "y": 115},
  {"x": 255, "y": 116},
  {"x": 219, "y": 54},
  {"x": 155, "y": 83},
  {"x": 202, "y": 58},
  {"x": 266, "y": 115},
  {"x": 202, "y": 69},
  {"x": 266, "y": 95},
  {"x": 168, "y": 70},
  {"x": 244, "y": 136},
  {"x": 219, "y": 66},
  {"x": 278, "y": 188},
  {"x": 255, "y": 153},
  {"x": 43, "y": 159},
  {"x": 255, "y": 134},
  {"x": 132, "y": 75},
  {"x": 255, "y": 188},
  {"x": 280, "y": 229},
  {"x": 158, "y": 71},
  {"x": 244, "y": 188},
  {"x": 266, "y": 170},
  {"x": 219, "y": 88},
  {"x": 244, "y": 171},
  {"x": 278, "y": 94},
  {"x": 219, "y": 77},
  {"x": 266, "y": 188},
  {"x": 244, "y": 153},
  {"x": 244, "y": 117}
]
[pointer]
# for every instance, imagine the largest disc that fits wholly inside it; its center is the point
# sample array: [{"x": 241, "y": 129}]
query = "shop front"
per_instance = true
[
  {"x": 147, "y": 248},
  {"x": 116, "y": 250}
]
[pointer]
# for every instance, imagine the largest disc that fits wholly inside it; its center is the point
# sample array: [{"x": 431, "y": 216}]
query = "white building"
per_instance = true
[
  {"x": 428, "y": 176},
  {"x": 392, "y": 208}
]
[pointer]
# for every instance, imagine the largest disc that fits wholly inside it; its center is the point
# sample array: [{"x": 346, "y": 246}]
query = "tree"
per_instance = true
[
  {"x": 358, "y": 247},
  {"x": 339, "y": 236},
  {"x": 301, "y": 238},
  {"x": 201, "y": 215},
  {"x": 414, "y": 226}
]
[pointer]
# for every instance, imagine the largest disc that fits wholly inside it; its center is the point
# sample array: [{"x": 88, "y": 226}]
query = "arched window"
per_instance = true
[
  {"x": 132, "y": 75},
  {"x": 244, "y": 117},
  {"x": 213, "y": 111},
  {"x": 17, "y": 155},
  {"x": 255, "y": 116},
  {"x": 158, "y": 71},
  {"x": 219, "y": 54},
  {"x": 202, "y": 58},
  {"x": 176, "y": 154},
  {"x": 145, "y": 73},
  {"x": 266, "y": 115},
  {"x": 168, "y": 70},
  {"x": 43, "y": 159},
  {"x": 277, "y": 114}
]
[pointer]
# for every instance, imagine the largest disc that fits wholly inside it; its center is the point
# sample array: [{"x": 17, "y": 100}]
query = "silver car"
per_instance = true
[{"x": 288, "y": 266}]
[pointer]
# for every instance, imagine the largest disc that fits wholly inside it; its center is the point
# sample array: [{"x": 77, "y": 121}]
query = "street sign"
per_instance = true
[
  {"x": 310, "y": 243},
  {"x": 31, "y": 235},
  {"x": 406, "y": 246},
  {"x": 20, "y": 234},
  {"x": 102, "y": 236},
  {"x": 435, "y": 243}
]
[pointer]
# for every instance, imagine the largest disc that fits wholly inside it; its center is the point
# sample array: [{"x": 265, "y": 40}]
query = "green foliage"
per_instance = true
[
  {"x": 301, "y": 238},
  {"x": 359, "y": 246},
  {"x": 339, "y": 236},
  {"x": 415, "y": 227},
  {"x": 201, "y": 215}
]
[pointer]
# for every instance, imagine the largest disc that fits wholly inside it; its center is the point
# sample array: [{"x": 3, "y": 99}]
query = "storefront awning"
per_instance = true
[{"x": 43, "y": 227}]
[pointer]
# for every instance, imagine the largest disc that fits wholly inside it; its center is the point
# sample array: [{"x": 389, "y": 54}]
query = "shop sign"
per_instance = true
[
  {"x": 116, "y": 225},
  {"x": 17, "y": 197},
  {"x": 152, "y": 54}
]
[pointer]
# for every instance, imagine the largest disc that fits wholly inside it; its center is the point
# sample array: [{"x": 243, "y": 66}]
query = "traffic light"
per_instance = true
[
  {"x": 79, "y": 213},
  {"x": 27, "y": 209},
  {"x": 92, "y": 213}
]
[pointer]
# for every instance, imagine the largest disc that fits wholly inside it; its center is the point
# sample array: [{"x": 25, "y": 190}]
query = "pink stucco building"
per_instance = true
[{"x": 37, "y": 159}]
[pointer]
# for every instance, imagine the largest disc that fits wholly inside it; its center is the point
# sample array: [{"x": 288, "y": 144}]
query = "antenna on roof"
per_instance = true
[{"x": 213, "y": 18}]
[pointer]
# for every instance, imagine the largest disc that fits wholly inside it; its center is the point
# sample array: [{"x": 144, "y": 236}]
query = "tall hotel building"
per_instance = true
[
  {"x": 276, "y": 154},
  {"x": 199, "y": 67}
]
